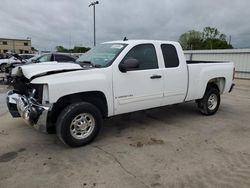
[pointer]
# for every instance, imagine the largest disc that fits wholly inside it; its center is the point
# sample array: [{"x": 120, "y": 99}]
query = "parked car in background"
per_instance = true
[
  {"x": 2, "y": 56},
  {"x": 20, "y": 61},
  {"x": 27, "y": 56},
  {"x": 52, "y": 57},
  {"x": 7, "y": 62},
  {"x": 48, "y": 57}
]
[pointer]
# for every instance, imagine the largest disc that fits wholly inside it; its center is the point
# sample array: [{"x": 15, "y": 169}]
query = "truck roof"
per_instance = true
[{"x": 141, "y": 41}]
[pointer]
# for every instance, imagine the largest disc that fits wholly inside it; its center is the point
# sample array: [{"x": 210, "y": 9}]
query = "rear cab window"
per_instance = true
[{"x": 170, "y": 55}]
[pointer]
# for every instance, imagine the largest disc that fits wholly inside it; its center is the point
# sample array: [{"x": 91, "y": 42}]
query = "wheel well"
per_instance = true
[
  {"x": 96, "y": 98},
  {"x": 218, "y": 83},
  {"x": 3, "y": 64}
]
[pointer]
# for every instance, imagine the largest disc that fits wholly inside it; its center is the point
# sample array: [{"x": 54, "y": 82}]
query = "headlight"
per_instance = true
[
  {"x": 39, "y": 92},
  {"x": 45, "y": 93}
]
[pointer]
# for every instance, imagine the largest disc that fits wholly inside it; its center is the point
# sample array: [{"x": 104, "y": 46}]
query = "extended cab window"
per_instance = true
[
  {"x": 170, "y": 55},
  {"x": 145, "y": 54}
]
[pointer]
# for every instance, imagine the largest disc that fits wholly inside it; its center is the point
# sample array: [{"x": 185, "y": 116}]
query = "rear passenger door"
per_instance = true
[
  {"x": 175, "y": 75},
  {"x": 142, "y": 87}
]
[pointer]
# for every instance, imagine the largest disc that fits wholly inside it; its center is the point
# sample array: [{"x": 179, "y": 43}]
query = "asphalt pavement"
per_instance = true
[
  {"x": 3, "y": 107},
  {"x": 173, "y": 146}
]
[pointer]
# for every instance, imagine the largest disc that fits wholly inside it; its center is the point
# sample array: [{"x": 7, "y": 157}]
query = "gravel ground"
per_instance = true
[
  {"x": 3, "y": 107},
  {"x": 173, "y": 146}
]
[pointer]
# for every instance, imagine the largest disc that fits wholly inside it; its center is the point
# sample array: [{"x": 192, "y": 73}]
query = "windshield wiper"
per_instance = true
[{"x": 90, "y": 63}]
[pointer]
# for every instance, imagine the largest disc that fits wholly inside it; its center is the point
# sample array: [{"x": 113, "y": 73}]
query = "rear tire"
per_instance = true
[
  {"x": 79, "y": 124},
  {"x": 210, "y": 103}
]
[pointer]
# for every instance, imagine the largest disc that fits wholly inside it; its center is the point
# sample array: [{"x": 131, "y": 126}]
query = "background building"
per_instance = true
[
  {"x": 20, "y": 46},
  {"x": 240, "y": 57}
]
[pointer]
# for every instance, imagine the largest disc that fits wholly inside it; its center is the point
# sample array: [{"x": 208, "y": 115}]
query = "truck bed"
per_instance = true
[
  {"x": 197, "y": 62},
  {"x": 201, "y": 72}
]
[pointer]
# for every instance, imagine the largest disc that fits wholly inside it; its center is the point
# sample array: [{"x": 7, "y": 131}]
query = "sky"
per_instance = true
[{"x": 50, "y": 23}]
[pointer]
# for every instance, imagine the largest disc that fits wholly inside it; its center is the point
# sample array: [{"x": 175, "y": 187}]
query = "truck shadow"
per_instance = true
[{"x": 157, "y": 117}]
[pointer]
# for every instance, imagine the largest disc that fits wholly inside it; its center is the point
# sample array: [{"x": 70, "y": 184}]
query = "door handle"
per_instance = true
[{"x": 155, "y": 77}]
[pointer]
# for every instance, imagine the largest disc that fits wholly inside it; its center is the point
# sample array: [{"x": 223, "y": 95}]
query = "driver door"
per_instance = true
[{"x": 142, "y": 87}]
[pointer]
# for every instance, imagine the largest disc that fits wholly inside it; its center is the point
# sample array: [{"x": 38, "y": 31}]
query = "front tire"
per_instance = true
[
  {"x": 210, "y": 103},
  {"x": 79, "y": 124}
]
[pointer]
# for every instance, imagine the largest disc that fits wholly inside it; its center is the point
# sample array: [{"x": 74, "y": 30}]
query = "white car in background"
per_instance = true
[
  {"x": 27, "y": 56},
  {"x": 6, "y": 62}
]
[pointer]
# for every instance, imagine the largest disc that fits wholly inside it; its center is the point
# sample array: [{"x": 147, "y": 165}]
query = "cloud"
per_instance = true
[{"x": 68, "y": 23}]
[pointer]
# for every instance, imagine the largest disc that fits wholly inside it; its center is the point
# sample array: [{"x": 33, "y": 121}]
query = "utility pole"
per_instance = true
[
  {"x": 93, "y": 4},
  {"x": 230, "y": 38},
  {"x": 14, "y": 46}
]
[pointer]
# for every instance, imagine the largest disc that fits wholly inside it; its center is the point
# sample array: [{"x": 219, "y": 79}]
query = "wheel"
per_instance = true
[
  {"x": 79, "y": 124},
  {"x": 3, "y": 67},
  {"x": 210, "y": 103}
]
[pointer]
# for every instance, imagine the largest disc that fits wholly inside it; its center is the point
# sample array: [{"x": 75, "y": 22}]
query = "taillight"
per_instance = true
[{"x": 234, "y": 74}]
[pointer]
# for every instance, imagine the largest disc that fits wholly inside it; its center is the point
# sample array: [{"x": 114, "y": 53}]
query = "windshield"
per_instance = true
[{"x": 102, "y": 55}]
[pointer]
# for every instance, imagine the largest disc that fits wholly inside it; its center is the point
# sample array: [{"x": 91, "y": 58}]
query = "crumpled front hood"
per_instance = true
[{"x": 37, "y": 69}]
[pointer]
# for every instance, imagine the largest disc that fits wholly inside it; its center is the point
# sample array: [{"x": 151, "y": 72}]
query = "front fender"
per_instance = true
[{"x": 62, "y": 84}]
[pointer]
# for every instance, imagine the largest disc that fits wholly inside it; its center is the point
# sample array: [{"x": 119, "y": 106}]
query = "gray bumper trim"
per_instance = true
[
  {"x": 11, "y": 101},
  {"x": 32, "y": 112}
]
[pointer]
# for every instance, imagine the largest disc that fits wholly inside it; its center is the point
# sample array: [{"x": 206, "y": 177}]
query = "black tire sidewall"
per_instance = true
[
  {"x": 2, "y": 66},
  {"x": 66, "y": 117},
  {"x": 208, "y": 93}
]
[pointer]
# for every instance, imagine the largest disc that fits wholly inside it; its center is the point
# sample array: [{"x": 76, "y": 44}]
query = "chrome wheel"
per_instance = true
[
  {"x": 212, "y": 102},
  {"x": 82, "y": 126}
]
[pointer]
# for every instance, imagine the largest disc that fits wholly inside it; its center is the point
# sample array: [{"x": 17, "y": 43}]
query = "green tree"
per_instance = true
[
  {"x": 210, "y": 38},
  {"x": 210, "y": 33},
  {"x": 61, "y": 49},
  {"x": 80, "y": 49},
  {"x": 213, "y": 39},
  {"x": 191, "y": 40},
  {"x": 76, "y": 49}
]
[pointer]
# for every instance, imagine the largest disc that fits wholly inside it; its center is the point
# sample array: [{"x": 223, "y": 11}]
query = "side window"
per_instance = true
[
  {"x": 145, "y": 54},
  {"x": 170, "y": 55},
  {"x": 44, "y": 58},
  {"x": 70, "y": 59},
  {"x": 63, "y": 58}
]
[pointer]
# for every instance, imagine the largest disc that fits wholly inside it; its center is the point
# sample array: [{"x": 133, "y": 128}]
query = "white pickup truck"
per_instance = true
[{"x": 114, "y": 78}]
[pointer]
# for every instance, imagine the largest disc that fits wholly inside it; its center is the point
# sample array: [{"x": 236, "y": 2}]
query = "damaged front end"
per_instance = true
[
  {"x": 30, "y": 100},
  {"x": 26, "y": 101}
]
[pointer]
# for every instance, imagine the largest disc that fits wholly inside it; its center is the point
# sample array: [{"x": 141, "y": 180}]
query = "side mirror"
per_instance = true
[{"x": 129, "y": 64}]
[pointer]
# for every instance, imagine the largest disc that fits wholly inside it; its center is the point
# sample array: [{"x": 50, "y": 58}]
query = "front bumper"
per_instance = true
[{"x": 32, "y": 112}]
